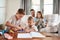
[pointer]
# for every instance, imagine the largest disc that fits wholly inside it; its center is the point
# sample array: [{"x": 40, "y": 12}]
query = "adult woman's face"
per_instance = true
[{"x": 39, "y": 15}]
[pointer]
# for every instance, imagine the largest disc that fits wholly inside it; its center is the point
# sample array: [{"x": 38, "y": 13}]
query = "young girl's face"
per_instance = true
[
  {"x": 30, "y": 22},
  {"x": 39, "y": 15}
]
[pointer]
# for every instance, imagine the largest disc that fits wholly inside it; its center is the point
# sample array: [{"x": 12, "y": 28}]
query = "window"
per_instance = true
[
  {"x": 36, "y": 5},
  {"x": 48, "y": 7},
  {"x": 2, "y": 11}
]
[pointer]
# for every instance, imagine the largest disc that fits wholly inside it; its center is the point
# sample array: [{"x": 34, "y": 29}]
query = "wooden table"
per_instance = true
[
  {"x": 15, "y": 37},
  {"x": 49, "y": 36},
  {"x": 1, "y": 37}
]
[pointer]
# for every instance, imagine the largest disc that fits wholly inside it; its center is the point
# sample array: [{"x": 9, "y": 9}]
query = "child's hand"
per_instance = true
[
  {"x": 32, "y": 30},
  {"x": 23, "y": 27},
  {"x": 18, "y": 27},
  {"x": 14, "y": 29},
  {"x": 27, "y": 31}
]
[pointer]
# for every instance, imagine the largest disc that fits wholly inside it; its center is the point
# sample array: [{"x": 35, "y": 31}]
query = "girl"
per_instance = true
[{"x": 39, "y": 21}]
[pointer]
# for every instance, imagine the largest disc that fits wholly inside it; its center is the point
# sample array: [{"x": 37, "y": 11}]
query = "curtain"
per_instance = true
[{"x": 55, "y": 7}]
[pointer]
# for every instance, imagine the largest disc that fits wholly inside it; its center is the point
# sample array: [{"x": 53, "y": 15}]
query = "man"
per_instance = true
[
  {"x": 14, "y": 22},
  {"x": 32, "y": 12}
]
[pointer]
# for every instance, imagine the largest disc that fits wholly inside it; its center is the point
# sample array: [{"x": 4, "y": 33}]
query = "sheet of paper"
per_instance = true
[
  {"x": 24, "y": 35},
  {"x": 37, "y": 34},
  {"x": 1, "y": 33}
]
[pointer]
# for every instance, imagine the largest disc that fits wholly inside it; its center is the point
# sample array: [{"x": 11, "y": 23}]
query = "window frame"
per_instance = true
[{"x": 50, "y": 5}]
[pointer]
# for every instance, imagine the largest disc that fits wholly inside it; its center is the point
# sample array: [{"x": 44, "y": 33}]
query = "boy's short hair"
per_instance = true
[
  {"x": 30, "y": 17},
  {"x": 32, "y": 10},
  {"x": 21, "y": 11}
]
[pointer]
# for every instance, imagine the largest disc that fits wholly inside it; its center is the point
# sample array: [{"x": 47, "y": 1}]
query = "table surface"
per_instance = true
[{"x": 49, "y": 36}]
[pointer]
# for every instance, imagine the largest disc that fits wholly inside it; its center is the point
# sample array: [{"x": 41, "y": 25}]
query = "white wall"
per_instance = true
[
  {"x": 12, "y": 6},
  {"x": 2, "y": 11}
]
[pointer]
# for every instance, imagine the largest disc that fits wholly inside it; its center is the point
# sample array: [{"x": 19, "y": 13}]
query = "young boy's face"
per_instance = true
[
  {"x": 19, "y": 16},
  {"x": 30, "y": 22}
]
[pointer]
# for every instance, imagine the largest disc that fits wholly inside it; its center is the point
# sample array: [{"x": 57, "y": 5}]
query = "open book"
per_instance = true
[
  {"x": 23, "y": 35},
  {"x": 37, "y": 34},
  {"x": 30, "y": 35}
]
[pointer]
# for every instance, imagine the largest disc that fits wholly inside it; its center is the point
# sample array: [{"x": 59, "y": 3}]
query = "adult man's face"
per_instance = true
[{"x": 33, "y": 13}]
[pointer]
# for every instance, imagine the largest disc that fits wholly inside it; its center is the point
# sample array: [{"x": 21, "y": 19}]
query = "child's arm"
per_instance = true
[
  {"x": 12, "y": 25},
  {"x": 27, "y": 29},
  {"x": 36, "y": 23},
  {"x": 35, "y": 28},
  {"x": 32, "y": 30}
]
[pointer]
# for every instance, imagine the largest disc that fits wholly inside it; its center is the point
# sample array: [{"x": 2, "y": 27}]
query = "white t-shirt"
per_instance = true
[
  {"x": 13, "y": 21},
  {"x": 33, "y": 26}
]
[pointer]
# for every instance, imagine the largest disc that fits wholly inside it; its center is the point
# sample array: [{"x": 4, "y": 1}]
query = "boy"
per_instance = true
[
  {"x": 31, "y": 27},
  {"x": 14, "y": 22}
]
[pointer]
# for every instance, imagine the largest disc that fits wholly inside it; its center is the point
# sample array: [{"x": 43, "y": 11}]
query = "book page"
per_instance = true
[
  {"x": 37, "y": 34},
  {"x": 24, "y": 35}
]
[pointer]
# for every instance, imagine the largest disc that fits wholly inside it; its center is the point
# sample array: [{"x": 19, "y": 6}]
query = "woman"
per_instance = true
[{"x": 39, "y": 20}]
